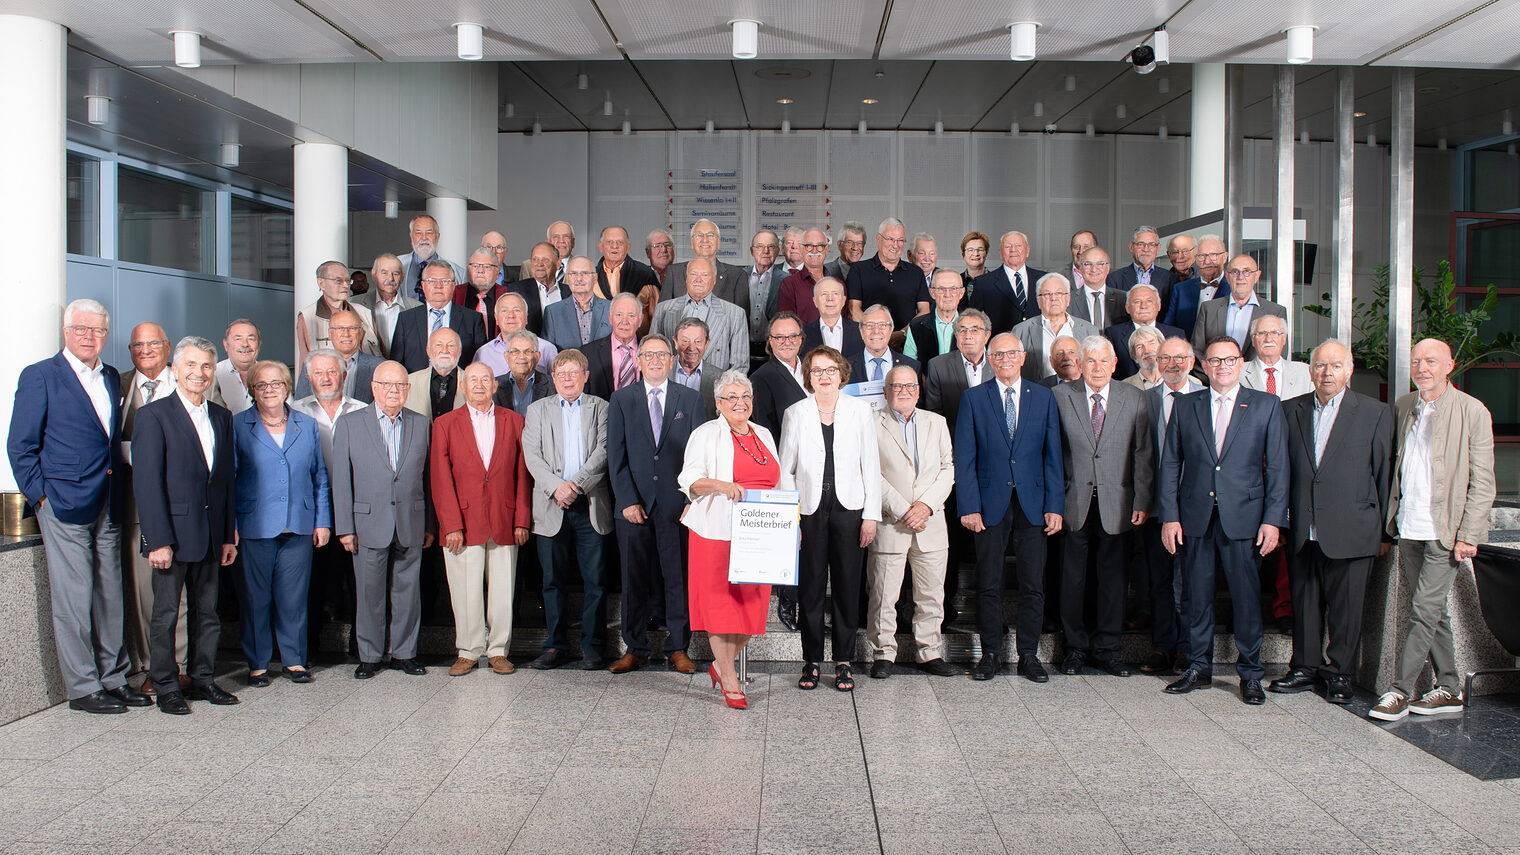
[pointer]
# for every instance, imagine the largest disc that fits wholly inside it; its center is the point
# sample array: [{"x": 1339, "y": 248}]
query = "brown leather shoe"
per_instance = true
[
  {"x": 184, "y": 681},
  {"x": 679, "y": 661},
  {"x": 629, "y": 662},
  {"x": 462, "y": 666},
  {"x": 501, "y": 665}
]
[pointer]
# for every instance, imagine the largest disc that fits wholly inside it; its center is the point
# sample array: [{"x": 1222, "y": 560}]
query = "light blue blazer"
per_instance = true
[{"x": 280, "y": 489}]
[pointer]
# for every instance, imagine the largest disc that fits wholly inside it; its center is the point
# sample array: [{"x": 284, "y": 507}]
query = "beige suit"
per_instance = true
[
  {"x": 896, "y": 545},
  {"x": 417, "y": 398},
  {"x": 1292, "y": 378},
  {"x": 1462, "y": 466}
]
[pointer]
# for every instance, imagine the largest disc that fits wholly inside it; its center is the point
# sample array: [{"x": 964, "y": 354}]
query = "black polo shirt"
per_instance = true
[{"x": 900, "y": 290}]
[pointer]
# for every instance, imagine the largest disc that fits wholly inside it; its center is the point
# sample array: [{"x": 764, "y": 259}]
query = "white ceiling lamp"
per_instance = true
[
  {"x": 786, "y": 126},
  {"x": 1303, "y": 138},
  {"x": 1071, "y": 83},
  {"x": 471, "y": 40},
  {"x": 538, "y": 127},
  {"x": 939, "y": 127},
  {"x": 1506, "y": 126},
  {"x": 862, "y": 126},
  {"x": 1163, "y": 86},
  {"x": 1021, "y": 40},
  {"x": 1090, "y": 130},
  {"x": 1161, "y": 132},
  {"x": 392, "y": 207},
  {"x": 607, "y": 105},
  {"x": 582, "y": 82},
  {"x": 509, "y": 110},
  {"x": 1039, "y": 109},
  {"x": 1013, "y": 129},
  {"x": 187, "y": 48},
  {"x": 1300, "y": 44},
  {"x": 627, "y": 126},
  {"x": 231, "y": 154},
  {"x": 709, "y": 127},
  {"x": 1371, "y": 140},
  {"x": 746, "y": 37},
  {"x": 97, "y": 109},
  {"x": 1120, "y": 112}
]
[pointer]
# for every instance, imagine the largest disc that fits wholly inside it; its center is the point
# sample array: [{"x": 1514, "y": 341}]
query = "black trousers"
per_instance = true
[
  {"x": 200, "y": 581},
  {"x": 654, "y": 565},
  {"x": 831, "y": 557},
  {"x": 1029, "y": 564},
  {"x": 1109, "y": 585},
  {"x": 1328, "y": 594},
  {"x": 1239, "y": 561},
  {"x": 1162, "y": 586}
]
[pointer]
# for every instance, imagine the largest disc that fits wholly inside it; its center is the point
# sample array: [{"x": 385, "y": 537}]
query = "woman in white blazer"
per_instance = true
[
  {"x": 828, "y": 454},
  {"x": 724, "y": 457}
]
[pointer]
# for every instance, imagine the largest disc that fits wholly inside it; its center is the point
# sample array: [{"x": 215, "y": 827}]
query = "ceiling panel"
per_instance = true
[
  {"x": 1478, "y": 41},
  {"x": 417, "y": 32},
  {"x": 693, "y": 93},
  {"x": 585, "y": 109},
  {"x": 807, "y": 83},
  {"x": 799, "y": 29},
  {"x": 892, "y": 85},
  {"x": 1069, "y": 29}
]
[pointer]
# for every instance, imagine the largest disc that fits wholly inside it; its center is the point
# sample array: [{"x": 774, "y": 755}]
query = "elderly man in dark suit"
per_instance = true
[
  {"x": 182, "y": 454},
  {"x": 64, "y": 451},
  {"x": 617, "y": 273},
  {"x": 1143, "y": 306},
  {"x": 877, "y": 357},
  {"x": 1224, "y": 498},
  {"x": 1143, "y": 247},
  {"x": 1340, "y": 446},
  {"x": 647, "y": 428},
  {"x": 1007, "y": 293},
  {"x": 414, "y": 326},
  {"x": 1110, "y": 473},
  {"x": 831, "y": 327},
  {"x": 540, "y": 291},
  {"x": 1233, "y": 313}
]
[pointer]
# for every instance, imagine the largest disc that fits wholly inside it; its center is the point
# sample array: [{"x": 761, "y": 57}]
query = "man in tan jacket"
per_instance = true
[{"x": 1443, "y": 489}]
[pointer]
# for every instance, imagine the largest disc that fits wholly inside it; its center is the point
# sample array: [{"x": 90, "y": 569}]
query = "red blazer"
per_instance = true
[{"x": 485, "y": 504}]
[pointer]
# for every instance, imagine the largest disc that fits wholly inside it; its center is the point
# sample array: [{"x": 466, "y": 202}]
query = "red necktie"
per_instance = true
[{"x": 1271, "y": 381}]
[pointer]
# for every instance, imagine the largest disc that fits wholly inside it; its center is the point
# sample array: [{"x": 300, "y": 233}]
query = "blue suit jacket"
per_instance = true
[
  {"x": 1249, "y": 480},
  {"x": 280, "y": 488},
  {"x": 564, "y": 332},
  {"x": 57, "y": 447},
  {"x": 1182, "y": 311},
  {"x": 641, "y": 471},
  {"x": 180, "y": 502},
  {"x": 988, "y": 466}
]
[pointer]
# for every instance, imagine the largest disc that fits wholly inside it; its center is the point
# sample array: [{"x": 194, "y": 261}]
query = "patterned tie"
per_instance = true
[
  {"x": 483, "y": 309},
  {"x": 437, "y": 319},
  {"x": 1097, "y": 417},
  {"x": 149, "y": 386},
  {"x": 656, "y": 414},
  {"x": 876, "y": 362},
  {"x": 1221, "y": 424},
  {"x": 1271, "y": 381},
  {"x": 1011, "y": 413},
  {"x": 1018, "y": 288},
  {"x": 628, "y": 373}
]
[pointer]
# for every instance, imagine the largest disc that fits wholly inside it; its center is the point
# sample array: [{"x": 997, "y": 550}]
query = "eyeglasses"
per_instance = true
[
  {"x": 666, "y": 245},
  {"x": 1149, "y": 244},
  {"x": 140, "y": 345},
  {"x": 654, "y": 355},
  {"x": 815, "y": 246},
  {"x": 1176, "y": 252},
  {"x": 854, "y": 243},
  {"x": 522, "y": 351},
  {"x": 1093, "y": 265},
  {"x": 704, "y": 235},
  {"x": 787, "y": 337},
  {"x": 877, "y": 326},
  {"x": 332, "y": 278},
  {"x": 569, "y": 374},
  {"x": 764, "y": 247},
  {"x": 269, "y": 386},
  {"x": 1050, "y": 294},
  {"x": 1222, "y": 361},
  {"x": 828, "y": 371},
  {"x": 1005, "y": 354},
  {"x": 482, "y": 267},
  {"x": 969, "y": 330},
  {"x": 1269, "y": 334},
  {"x": 737, "y": 399},
  {"x": 1177, "y": 359},
  {"x": 946, "y": 289},
  {"x": 345, "y": 329},
  {"x": 580, "y": 272},
  {"x": 1212, "y": 254},
  {"x": 447, "y": 280},
  {"x": 901, "y": 387},
  {"x": 392, "y": 387},
  {"x": 97, "y": 332},
  {"x": 1239, "y": 273}
]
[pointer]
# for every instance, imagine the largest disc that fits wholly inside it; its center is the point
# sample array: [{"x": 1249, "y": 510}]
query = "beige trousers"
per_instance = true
[
  {"x": 886, "y": 580},
  {"x": 481, "y": 579}
]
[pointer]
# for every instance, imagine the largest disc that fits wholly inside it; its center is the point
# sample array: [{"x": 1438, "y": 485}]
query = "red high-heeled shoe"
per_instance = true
[
  {"x": 712, "y": 671},
  {"x": 737, "y": 700}
]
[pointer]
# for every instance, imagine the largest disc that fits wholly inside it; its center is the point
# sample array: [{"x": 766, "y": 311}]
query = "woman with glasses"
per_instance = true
[
  {"x": 283, "y": 510},
  {"x": 725, "y": 457},
  {"x": 828, "y": 454},
  {"x": 974, "y": 252}
]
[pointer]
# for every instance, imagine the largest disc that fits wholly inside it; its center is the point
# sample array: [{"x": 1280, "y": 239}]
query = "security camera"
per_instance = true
[
  {"x": 1147, "y": 57},
  {"x": 1050, "y": 128},
  {"x": 1143, "y": 58}
]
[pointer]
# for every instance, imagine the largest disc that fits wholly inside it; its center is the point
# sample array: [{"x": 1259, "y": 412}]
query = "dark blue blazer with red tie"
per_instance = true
[
  {"x": 988, "y": 466},
  {"x": 57, "y": 447}
]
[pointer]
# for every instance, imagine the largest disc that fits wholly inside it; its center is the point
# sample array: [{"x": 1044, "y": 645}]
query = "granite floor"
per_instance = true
[{"x": 651, "y": 762}]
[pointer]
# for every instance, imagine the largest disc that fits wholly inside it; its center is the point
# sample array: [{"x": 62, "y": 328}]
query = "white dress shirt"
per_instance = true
[
  {"x": 312, "y": 407},
  {"x": 234, "y": 393},
  {"x": 833, "y": 336},
  {"x": 1416, "y": 522},
  {"x": 165, "y": 385},
  {"x": 385, "y": 315},
  {"x": 1048, "y": 339},
  {"x": 202, "y": 421},
  {"x": 94, "y": 382},
  {"x": 973, "y": 372}
]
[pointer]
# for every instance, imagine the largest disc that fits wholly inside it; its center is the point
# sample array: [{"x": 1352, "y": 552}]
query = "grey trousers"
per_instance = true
[
  {"x": 89, "y": 615},
  {"x": 1428, "y": 570},
  {"x": 403, "y": 565}
]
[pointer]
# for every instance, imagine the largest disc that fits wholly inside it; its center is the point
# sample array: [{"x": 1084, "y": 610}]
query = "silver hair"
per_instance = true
[
  {"x": 440, "y": 264},
  {"x": 661, "y": 232},
  {"x": 1138, "y": 285},
  {"x": 874, "y": 308},
  {"x": 1143, "y": 230},
  {"x": 1048, "y": 277},
  {"x": 326, "y": 264},
  {"x": 525, "y": 334},
  {"x": 602, "y": 235},
  {"x": 194, "y": 341},
  {"x": 707, "y": 221},
  {"x": 511, "y": 295},
  {"x": 918, "y": 236},
  {"x": 1021, "y": 235},
  {"x": 88, "y": 307},
  {"x": 889, "y": 223},
  {"x": 485, "y": 250},
  {"x": 823, "y": 279},
  {"x": 1211, "y": 236},
  {"x": 1145, "y": 334},
  {"x": 977, "y": 314},
  {"x": 1256, "y": 322},
  {"x": 1326, "y": 343},
  {"x": 1097, "y": 342},
  {"x": 623, "y": 296},
  {"x": 732, "y": 377},
  {"x": 851, "y": 227},
  {"x": 328, "y": 352},
  {"x": 555, "y": 223}
]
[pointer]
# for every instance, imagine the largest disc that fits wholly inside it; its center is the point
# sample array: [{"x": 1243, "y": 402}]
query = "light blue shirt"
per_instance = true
[
  {"x": 390, "y": 431},
  {"x": 1237, "y": 319},
  {"x": 1324, "y": 422},
  {"x": 574, "y": 446},
  {"x": 431, "y": 317},
  {"x": 692, "y": 381}
]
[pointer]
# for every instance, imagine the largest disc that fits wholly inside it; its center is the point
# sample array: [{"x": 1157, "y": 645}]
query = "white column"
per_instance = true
[
  {"x": 32, "y": 169},
  {"x": 452, "y": 215},
  {"x": 321, "y": 215},
  {"x": 1206, "y": 140},
  {"x": 1284, "y": 94},
  {"x": 1401, "y": 235}
]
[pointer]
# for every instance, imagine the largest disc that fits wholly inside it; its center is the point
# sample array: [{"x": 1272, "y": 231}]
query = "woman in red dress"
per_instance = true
[{"x": 725, "y": 457}]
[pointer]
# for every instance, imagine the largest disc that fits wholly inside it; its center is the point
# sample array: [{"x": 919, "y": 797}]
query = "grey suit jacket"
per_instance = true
[
  {"x": 1292, "y": 380},
  {"x": 732, "y": 284},
  {"x": 544, "y": 452},
  {"x": 1119, "y": 465},
  {"x": 1114, "y": 301},
  {"x": 945, "y": 382},
  {"x": 727, "y": 329},
  {"x": 1032, "y": 333},
  {"x": 1210, "y": 324},
  {"x": 710, "y": 375},
  {"x": 372, "y": 500},
  {"x": 837, "y": 269},
  {"x": 409, "y": 272}
]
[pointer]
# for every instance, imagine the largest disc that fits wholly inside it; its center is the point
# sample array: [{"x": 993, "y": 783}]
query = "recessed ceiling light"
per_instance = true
[
  {"x": 1358, "y": 114},
  {"x": 1428, "y": 90},
  {"x": 783, "y": 100},
  {"x": 868, "y": 100},
  {"x": 782, "y": 72}
]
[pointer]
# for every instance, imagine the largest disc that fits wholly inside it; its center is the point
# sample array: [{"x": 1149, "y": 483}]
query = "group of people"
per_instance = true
[{"x": 923, "y": 415}]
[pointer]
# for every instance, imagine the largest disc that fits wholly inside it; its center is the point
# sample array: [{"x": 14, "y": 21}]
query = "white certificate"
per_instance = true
[
  {"x": 873, "y": 392},
  {"x": 764, "y": 546}
]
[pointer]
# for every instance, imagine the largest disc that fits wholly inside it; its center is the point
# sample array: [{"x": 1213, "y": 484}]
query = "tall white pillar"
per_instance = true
[
  {"x": 321, "y": 215},
  {"x": 1206, "y": 140},
  {"x": 452, "y": 214},
  {"x": 32, "y": 169}
]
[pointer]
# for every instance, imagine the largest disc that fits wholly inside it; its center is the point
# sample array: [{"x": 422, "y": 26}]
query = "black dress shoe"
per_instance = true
[
  {"x": 550, "y": 659},
  {"x": 1338, "y": 691},
  {"x": 1156, "y": 663},
  {"x": 211, "y": 692},
  {"x": 881, "y": 669},
  {"x": 130, "y": 696},
  {"x": 1297, "y": 680},
  {"x": 98, "y": 702},
  {"x": 787, "y": 614},
  {"x": 1251, "y": 693},
  {"x": 986, "y": 668},
  {"x": 1073, "y": 662},
  {"x": 258, "y": 681},
  {"x": 299, "y": 675},
  {"x": 593, "y": 662},
  {"x": 1191, "y": 680},
  {"x": 1031, "y": 670},
  {"x": 1285, "y": 625},
  {"x": 1113, "y": 666},
  {"x": 937, "y": 667},
  {"x": 410, "y": 667},
  {"x": 366, "y": 670},
  {"x": 173, "y": 703}
]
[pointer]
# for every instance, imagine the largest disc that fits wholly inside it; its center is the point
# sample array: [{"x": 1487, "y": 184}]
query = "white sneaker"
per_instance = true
[
  {"x": 1435, "y": 701},
  {"x": 1392, "y": 706}
]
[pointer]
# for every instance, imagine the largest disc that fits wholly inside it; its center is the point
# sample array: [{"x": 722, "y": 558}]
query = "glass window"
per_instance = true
[
  {"x": 83, "y": 197},
  {"x": 261, "y": 242},
  {"x": 165, "y": 223}
]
